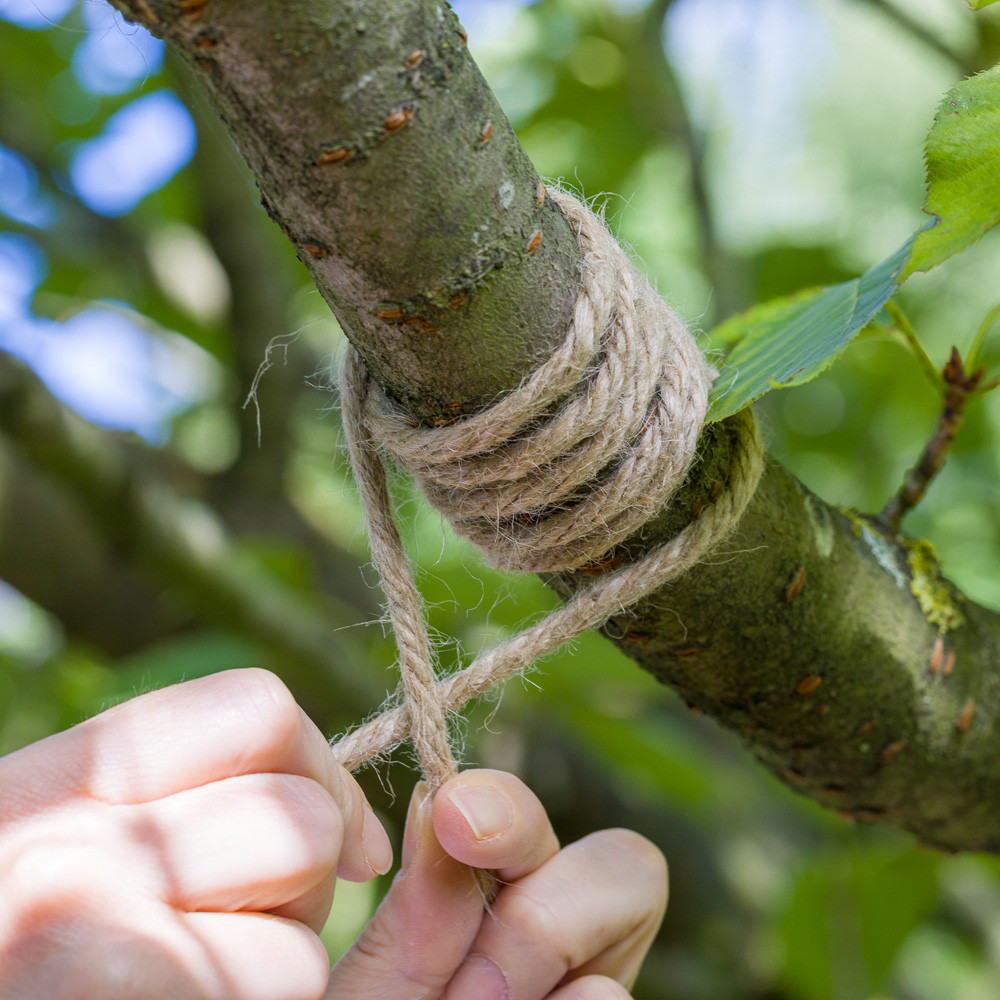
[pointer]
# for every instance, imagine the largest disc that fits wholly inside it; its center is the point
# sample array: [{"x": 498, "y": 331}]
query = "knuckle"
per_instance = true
[
  {"x": 537, "y": 922},
  {"x": 635, "y": 845},
  {"x": 266, "y": 699},
  {"x": 381, "y": 946},
  {"x": 102, "y": 961},
  {"x": 49, "y": 885},
  {"x": 376, "y": 944},
  {"x": 316, "y": 813},
  {"x": 296, "y": 812},
  {"x": 52, "y": 869},
  {"x": 643, "y": 857},
  {"x": 122, "y": 965}
]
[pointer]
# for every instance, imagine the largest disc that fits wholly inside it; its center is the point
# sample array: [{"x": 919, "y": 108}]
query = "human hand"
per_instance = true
[
  {"x": 184, "y": 844},
  {"x": 570, "y": 924}
]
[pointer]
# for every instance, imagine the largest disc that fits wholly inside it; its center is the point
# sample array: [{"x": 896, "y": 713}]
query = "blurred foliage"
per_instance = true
[
  {"x": 789, "y": 340},
  {"x": 744, "y": 149}
]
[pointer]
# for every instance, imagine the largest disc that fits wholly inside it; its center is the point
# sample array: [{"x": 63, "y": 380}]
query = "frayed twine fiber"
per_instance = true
[{"x": 541, "y": 487}]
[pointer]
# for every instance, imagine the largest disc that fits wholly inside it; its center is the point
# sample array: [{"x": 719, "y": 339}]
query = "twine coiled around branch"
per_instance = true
[{"x": 549, "y": 478}]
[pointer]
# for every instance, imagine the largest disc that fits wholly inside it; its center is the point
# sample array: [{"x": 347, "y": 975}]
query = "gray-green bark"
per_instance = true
[
  {"x": 414, "y": 220},
  {"x": 381, "y": 152}
]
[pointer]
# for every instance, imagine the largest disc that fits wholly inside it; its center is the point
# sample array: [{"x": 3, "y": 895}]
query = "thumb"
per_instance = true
[{"x": 424, "y": 927}]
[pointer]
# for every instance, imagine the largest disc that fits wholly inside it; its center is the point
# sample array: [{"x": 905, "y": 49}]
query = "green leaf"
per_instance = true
[
  {"x": 963, "y": 171},
  {"x": 980, "y": 4},
  {"x": 790, "y": 340}
]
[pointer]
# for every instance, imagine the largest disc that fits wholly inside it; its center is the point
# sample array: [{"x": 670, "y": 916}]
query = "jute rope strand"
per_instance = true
[
  {"x": 545, "y": 487},
  {"x": 424, "y": 713}
]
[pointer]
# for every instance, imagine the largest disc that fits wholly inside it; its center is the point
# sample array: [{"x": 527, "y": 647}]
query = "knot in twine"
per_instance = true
[{"x": 550, "y": 478}]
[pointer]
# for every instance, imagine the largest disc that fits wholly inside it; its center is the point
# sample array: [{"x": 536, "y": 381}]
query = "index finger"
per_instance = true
[
  {"x": 202, "y": 730},
  {"x": 207, "y": 729}
]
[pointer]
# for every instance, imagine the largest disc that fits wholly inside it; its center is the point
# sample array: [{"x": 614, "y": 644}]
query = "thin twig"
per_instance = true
[
  {"x": 905, "y": 327},
  {"x": 925, "y": 35},
  {"x": 663, "y": 107},
  {"x": 960, "y": 386},
  {"x": 981, "y": 333}
]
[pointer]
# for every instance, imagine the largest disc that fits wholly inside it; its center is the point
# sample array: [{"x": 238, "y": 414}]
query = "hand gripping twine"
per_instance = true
[{"x": 549, "y": 478}]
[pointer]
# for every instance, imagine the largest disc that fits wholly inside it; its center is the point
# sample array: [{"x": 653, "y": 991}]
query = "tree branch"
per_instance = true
[
  {"x": 656, "y": 91},
  {"x": 420, "y": 228},
  {"x": 810, "y": 632},
  {"x": 98, "y": 598},
  {"x": 933, "y": 41},
  {"x": 959, "y": 385}
]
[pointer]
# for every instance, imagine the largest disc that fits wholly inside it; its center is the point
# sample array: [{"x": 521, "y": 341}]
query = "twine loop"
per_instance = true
[
  {"x": 540, "y": 491},
  {"x": 551, "y": 477}
]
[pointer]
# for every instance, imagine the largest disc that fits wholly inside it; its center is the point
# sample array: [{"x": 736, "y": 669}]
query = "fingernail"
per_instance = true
[
  {"x": 481, "y": 978},
  {"x": 487, "y": 812},
  {"x": 418, "y": 819},
  {"x": 375, "y": 843}
]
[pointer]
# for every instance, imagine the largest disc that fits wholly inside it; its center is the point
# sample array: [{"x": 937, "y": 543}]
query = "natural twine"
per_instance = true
[{"x": 549, "y": 478}]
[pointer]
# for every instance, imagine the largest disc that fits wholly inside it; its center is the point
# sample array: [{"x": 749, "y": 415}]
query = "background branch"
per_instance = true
[
  {"x": 180, "y": 543},
  {"x": 958, "y": 386},
  {"x": 931, "y": 39}
]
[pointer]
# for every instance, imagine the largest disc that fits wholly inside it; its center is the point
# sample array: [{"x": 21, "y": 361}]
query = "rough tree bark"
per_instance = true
[{"x": 849, "y": 665}]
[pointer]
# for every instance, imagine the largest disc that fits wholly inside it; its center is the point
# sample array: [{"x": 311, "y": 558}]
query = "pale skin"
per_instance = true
[{"x": 186, "y": 844}]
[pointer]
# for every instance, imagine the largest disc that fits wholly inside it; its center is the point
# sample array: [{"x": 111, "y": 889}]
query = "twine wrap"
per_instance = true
[{"x": 549, "y": 478}]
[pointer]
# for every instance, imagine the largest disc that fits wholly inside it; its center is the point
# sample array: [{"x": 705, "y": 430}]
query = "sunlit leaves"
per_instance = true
[
  {"x": 963, "y": 171},
  {"x": 790, "y": 340}
]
